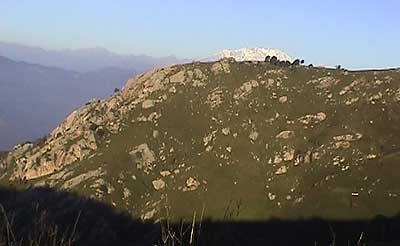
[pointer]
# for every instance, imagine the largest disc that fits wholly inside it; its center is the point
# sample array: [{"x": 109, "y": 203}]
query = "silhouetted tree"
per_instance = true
[
  {"x": 267, "y": 58},
  {"x": 302, "y": 61},
  {"x": 274, "y": 60},
  {"x": 282, "y": 63},
  {"x": 116, "y": 90},
  {"x": 310, "y": 66},
  {"x": 338, "y": 67},
  {"x": 296, "y": 62}
]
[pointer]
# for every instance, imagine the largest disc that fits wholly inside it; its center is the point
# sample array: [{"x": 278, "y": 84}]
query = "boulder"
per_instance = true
[
  {"x": 191, "y": 184},
  {"x": 148, "y": 104},
  {"x": 283, "y": 99},
  {"x": 285, "y": 134},
  {"x": 158, "y": 184},
  {"x": 226, "y": 131},
  {"x": 281, "y": 170},
  {"x": 143, "y": 157},
  {"x": 253, "y": 136},
  {"x": 179, "y": 77}
]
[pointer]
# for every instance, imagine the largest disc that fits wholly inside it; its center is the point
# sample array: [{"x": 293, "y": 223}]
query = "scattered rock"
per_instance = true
[
  {"x": 71, "y": 183},
  {"x": 342, "y": 145},
  {"x": 299, "y": 199},
  {"x": 352, "y": 100},
  {"x": 172, "y": 89},
  {"x": 207, "y": 139},
  {"x": 307, "y": 157},
  {"x": 288, "y": 155},
  {"x": 271, "y": 196},
  {"x": 165, "y": 173},
  {"x": 220, "y": 67},
  {"x": 149, "y": 215},
  {"x": 397, "y": 96},
  {"x": 348, "y": 137},
  {"x": 299, "y": 159},
  {"x": 285, "y": 134},
  {"x": 246, "y": 89},
  {"x": 313, "y": 119},
  {"x": 209, "y": 148},
  {"x": 215, "y": 98},
  {"x": 191, "y": 184},
  {"x": 143, "y": 157},
  {"x": 253, "y": 136},
  {"x": 277, "y": 159},
  {"x": 148, "y": 103},
  {"x": 324, "y": 82},
  {"x": 281, "y": 170},
  {"x": 127, "y": 193},
  {"x": 226, "y": 131},
  {"x": 283, "y": 99},
  {"x": 179, "y": 77},
  {"x": 158, "y": 184}
]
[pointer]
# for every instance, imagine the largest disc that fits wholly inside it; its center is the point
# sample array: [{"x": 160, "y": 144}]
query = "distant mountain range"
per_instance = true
[
  {"x": 83, "y": 60},
  {"x": 39, "y": 87},
  {"x": 35, "y": 98}
]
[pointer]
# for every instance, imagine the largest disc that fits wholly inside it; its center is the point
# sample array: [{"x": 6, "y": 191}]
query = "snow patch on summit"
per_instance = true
[{"x": 250, "y": 54}]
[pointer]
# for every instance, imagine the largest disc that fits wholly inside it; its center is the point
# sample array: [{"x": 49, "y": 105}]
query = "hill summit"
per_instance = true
[{"x": 238, "y": 140}]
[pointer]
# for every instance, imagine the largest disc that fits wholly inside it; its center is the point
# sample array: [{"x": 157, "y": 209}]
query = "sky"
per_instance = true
[{"x": 352, "y": 33}]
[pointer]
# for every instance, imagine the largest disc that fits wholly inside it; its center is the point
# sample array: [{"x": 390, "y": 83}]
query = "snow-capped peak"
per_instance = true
[{"x": 251, "y": 54}]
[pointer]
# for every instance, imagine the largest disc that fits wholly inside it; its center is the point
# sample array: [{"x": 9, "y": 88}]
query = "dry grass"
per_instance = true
[{"x": 42, "y": 232}]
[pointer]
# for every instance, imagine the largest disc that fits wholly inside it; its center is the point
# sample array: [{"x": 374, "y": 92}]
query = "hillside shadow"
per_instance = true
[{"x": 70, "y": 218}]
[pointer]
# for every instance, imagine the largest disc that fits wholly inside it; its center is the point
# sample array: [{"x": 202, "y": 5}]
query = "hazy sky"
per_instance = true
[{"x": 354, "y": 33}]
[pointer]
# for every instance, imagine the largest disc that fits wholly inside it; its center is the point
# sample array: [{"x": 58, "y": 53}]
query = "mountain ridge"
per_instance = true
[{"x": 83, "y": 60}]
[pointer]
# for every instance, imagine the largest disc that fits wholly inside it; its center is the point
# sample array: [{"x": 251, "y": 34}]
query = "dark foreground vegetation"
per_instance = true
[{"x": 44, "y": 216}]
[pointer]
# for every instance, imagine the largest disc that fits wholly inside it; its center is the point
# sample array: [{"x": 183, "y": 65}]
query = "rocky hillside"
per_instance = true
[{"x": 230, "y": 140}]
